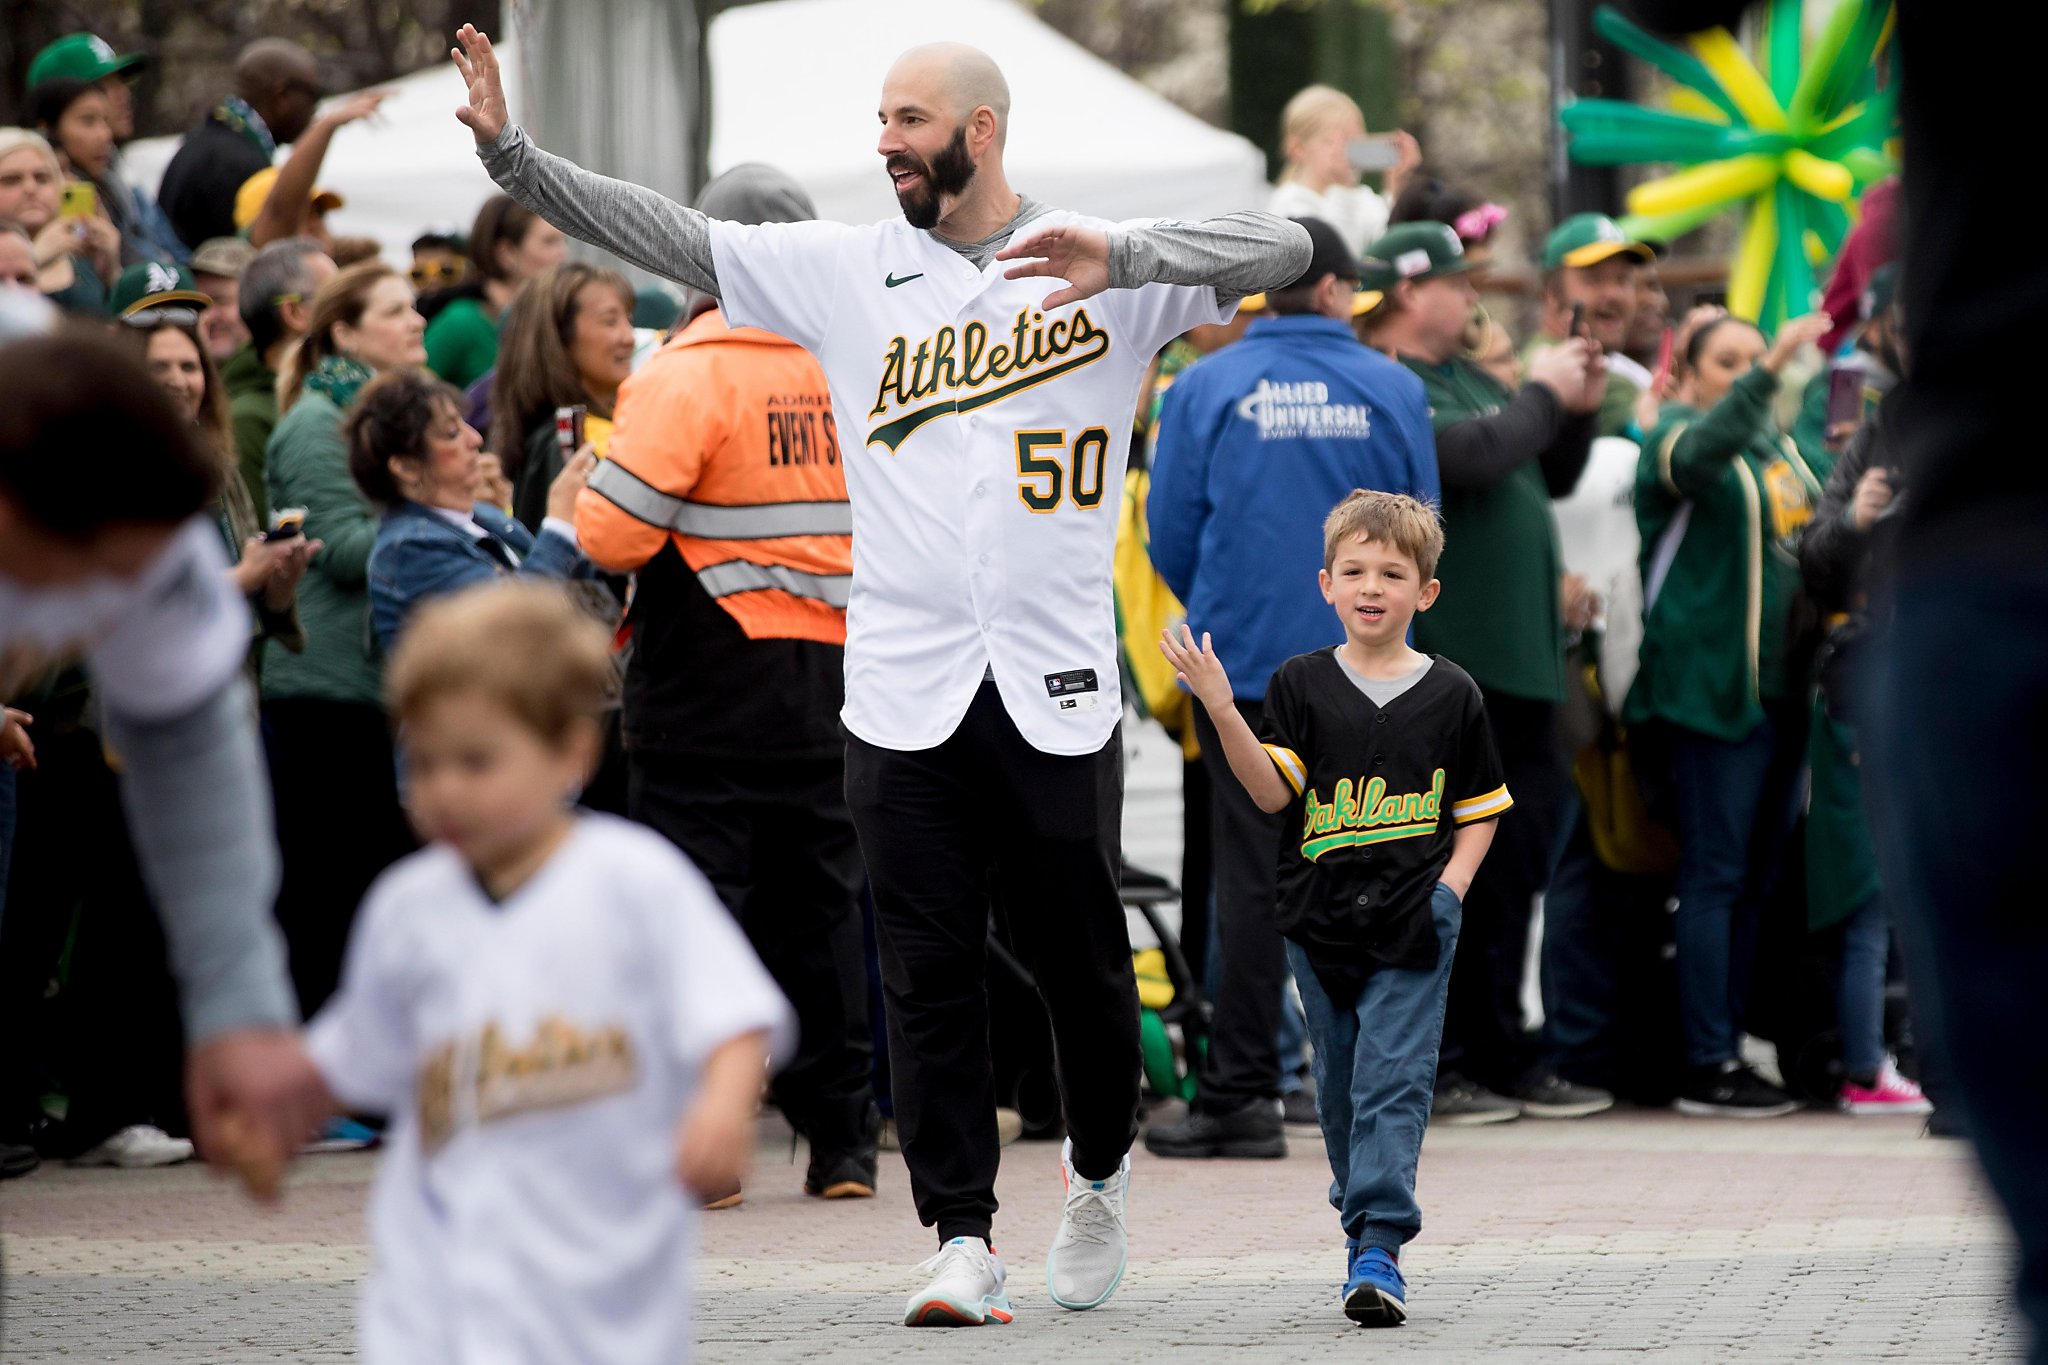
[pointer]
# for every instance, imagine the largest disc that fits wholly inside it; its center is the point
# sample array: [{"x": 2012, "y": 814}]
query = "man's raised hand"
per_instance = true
[
  {"x": 485, "y": 113},
  {"x": 1078, "y": 255}
]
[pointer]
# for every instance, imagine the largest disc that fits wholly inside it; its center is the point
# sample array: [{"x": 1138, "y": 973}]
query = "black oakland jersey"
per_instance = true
[{"x": 1379, "y": 793}]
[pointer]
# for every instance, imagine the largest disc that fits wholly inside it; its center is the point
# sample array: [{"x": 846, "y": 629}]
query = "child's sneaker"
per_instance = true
[
  {"x": 1375, "y": 1295},
  {"x": 966, "y": 1288},
  {"x": 1891, "y": 1094}
]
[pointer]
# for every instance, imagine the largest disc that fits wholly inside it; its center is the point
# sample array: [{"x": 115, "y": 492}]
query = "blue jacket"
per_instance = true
[
  {"x": 1256, "y": 444},
  {"x": 420, "y": 554}
]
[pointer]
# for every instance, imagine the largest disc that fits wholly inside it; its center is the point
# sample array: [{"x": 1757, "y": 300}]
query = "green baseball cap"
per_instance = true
[
  {"x": 1589, "y": 238},
  {"x": 1413, "y": 251},
  {"x": 152, "y": 284},
  {"x": 80, "y": 57}
]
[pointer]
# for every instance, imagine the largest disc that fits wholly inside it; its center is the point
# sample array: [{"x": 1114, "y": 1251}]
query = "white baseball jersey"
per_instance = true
[
  {"x": 985, "y": 444},
  {"x": 156, "y": 645},
  {"x": 537, "y": 1055}
]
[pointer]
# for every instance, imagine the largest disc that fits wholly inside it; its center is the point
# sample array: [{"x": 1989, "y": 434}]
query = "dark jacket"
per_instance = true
[
  {"x": 199, "y": 186},
  {"x": 1834, "y": 557},
  {"x": 421, "y": 554}
]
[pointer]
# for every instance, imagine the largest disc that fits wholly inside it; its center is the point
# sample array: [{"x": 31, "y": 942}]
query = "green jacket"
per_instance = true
[
  {"x": 462, "y": 343},
  {"x": 1720, "y": 501},
  {"x": 307, "y": 466},
  {"x": 1498, "y": 616},
  {"x": 252, "y": 413}
]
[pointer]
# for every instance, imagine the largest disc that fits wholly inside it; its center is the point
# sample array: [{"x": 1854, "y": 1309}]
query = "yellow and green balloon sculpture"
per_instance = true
[{"x": 1796, "y": 142}]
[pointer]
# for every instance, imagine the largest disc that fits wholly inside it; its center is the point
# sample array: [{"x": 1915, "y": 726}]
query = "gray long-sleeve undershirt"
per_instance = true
[
  {"x": 1236, "y": 254},
  {"x": 199, "y": 809}
]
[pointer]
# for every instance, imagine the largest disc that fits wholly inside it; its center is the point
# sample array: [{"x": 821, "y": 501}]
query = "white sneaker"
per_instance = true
[
  {"x": 1087, "y": 1259},
  {"x": 136, "y": 1146},
  {"x": 966, "y": 1288}
]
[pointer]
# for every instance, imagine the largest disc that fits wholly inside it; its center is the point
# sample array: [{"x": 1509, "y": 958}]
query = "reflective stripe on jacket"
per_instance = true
[{"x": 725, "y": 446}]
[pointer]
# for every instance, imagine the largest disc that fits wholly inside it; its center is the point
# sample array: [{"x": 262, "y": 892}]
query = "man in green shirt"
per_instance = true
[
  {"x": 276, "y": 300},
  {"x": 1590, "y": 262},
  {"x": 1501, "y": 457}
]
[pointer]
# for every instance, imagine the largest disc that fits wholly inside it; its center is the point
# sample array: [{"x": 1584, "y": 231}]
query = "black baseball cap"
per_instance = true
[{"x": 1328, "y": 254}]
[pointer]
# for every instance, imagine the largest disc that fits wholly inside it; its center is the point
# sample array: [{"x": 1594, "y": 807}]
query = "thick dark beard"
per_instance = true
[{"x": 950, "y": 172}]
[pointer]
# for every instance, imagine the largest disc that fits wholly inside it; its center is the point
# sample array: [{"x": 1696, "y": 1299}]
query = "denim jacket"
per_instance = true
[{"x": 421, "y": 554}]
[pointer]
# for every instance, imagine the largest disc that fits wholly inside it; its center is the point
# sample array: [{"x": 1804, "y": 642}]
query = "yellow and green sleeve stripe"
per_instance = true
[
  {"x": 1290, "y": 765},
  {"x": 1486, "y": 807}
]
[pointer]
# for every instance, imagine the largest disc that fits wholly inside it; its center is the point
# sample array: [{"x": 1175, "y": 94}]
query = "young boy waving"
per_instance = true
[{"x": 1383, "y": 760}]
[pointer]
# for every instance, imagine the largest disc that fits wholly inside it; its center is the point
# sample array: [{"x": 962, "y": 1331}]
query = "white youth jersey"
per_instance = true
[
  {"x": 537, "y": 1056},
  {"x": 985, "y": 444},
  {"x": 156, "y": 645}
]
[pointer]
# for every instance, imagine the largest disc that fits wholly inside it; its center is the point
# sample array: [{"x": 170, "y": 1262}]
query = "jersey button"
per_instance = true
[
  {"x": 981, "y": 491},
  {"x": 986, "y": 558},
  {"x": 1368, "y": 855},
  {"x": 1381, "y": 718},
  {"x": 1378, "y": 760},
  {"x": 987, "y": 626},
  {"x": 1364, "y": 899}
]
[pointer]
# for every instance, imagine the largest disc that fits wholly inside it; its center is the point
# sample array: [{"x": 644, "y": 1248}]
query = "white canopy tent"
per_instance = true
[{"x": 795, "y": 84}]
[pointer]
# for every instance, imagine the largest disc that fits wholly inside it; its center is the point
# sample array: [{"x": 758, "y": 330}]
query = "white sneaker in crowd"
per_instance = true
[
  {"x": 966, "y": 1288},
  {"x": 1087, "y": 1258},
  {"x": 135, "y": 1147}
]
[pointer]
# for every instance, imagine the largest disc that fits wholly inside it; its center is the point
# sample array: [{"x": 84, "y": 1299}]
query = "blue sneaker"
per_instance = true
[
  {"x": 1375, "y": 1295},
  {"x": 1350, "y": 1255},
  {"x": 344, "y": 1135}
]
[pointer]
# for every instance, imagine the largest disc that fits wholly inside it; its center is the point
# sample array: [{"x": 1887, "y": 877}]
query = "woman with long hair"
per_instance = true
[
  {"x": 567, "y": 341},
  {"x": 338, "y": 819},
  {"x": 508, "y": 246},
  {"x": 1721, "y": 496},
  {"x": 266, "y": 572}
]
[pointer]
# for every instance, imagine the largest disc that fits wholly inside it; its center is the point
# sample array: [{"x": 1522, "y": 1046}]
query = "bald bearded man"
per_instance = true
[{"x": 984, "y": 425}]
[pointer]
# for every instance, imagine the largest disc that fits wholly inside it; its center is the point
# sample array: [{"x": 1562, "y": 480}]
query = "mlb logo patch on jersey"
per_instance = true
[{"x": 1074, "y": 690}]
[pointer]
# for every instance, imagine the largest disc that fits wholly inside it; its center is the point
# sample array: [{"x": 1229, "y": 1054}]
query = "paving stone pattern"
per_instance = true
[{"x": 1624, "y": 1237}]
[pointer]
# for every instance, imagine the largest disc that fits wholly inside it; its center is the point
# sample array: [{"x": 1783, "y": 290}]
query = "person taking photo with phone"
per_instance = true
[
  {"x": 1322, "y": 135},
  {"x": 76, "y": 253}
]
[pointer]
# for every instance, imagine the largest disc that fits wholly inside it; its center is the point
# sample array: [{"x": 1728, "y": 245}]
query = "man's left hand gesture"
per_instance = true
[{"x": 1078, "y": 255}]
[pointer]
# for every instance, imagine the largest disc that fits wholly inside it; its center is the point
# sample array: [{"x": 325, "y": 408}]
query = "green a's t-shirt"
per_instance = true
[
  {"x": 462, "y": 342},
  {"x": 1498, "y": 616}
]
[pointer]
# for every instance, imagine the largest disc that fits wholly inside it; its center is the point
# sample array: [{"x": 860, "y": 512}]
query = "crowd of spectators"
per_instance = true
[{"x": 1676, "y": 735}]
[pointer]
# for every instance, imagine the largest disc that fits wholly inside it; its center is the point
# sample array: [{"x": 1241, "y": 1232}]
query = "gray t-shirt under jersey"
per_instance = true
[{"x": 1383, "y": 690}]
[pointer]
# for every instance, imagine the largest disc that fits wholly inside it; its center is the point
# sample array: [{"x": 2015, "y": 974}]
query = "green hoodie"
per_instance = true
[{"x": 1720, "y": 500}]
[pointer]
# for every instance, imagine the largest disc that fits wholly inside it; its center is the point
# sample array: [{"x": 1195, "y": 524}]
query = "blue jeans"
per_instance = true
[
  {"x": 1859, "y": 994},
  {"x": 1375, "y": 1069},
  {"x": 1735, "y": 807}
]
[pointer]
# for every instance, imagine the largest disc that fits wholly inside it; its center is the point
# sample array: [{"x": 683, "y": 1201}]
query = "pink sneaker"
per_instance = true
[{"x": 1893, "y": 1094}]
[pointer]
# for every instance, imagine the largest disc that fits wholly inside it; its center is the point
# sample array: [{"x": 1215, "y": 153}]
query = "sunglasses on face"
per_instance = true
[{"x": 432, "y": 274}]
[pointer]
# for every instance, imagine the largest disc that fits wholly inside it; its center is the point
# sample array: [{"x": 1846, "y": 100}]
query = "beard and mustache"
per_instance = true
[{"x": 947, "y": 173}]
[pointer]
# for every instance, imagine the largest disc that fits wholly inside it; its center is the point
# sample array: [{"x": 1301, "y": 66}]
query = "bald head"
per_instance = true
[
  {"x": 281, "y": 81},
  {"x": 953, "y": 80}
]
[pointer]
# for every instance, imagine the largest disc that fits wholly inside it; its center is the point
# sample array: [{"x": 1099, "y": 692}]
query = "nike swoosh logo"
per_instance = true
[{"x": 890, "y": 282}]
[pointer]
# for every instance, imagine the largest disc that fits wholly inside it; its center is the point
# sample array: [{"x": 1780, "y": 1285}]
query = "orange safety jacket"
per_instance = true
[{"x": 724, "y": 444}]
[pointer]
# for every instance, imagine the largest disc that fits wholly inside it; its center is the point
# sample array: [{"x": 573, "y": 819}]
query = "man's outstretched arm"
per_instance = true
[
  {"x": 631, "y": 221},
  {"x": 1237, "y": 254}
]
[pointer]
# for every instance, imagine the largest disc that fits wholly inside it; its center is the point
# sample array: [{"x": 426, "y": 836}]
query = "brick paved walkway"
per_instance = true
[{"x": 1813, "y": 1237}]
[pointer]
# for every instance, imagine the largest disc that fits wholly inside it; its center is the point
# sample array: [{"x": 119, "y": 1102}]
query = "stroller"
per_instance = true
[{"x": 1170, "y": 1002}]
